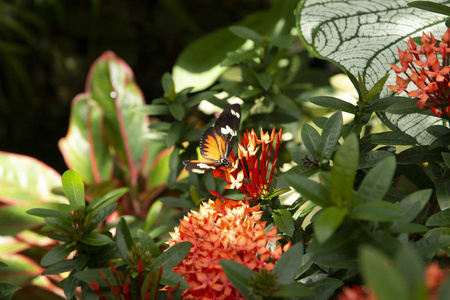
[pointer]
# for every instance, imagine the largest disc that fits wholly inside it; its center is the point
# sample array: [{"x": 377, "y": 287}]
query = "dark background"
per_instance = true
[{"x": 47, "y": 47}]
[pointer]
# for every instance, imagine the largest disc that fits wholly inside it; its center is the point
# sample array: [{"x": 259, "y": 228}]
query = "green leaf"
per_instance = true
[
  {"x": 293, "y": 290},
  {"x": 388, "y": 138},
  {"x": 74, "y": 188},
  {"x": 382, "y": 276},
  {"x": 56, "y": 254},
  {"x": 328, "y": 222},
  {"x": 168, "y": 86},
  {"x": 370, "y": 159},
  {"x": 310, "y": 138},
  {"x": 7, "y": 290},
  {"x": 282, "y": 101},
  {"x": 176, "y": 202},
  {"x": 329, "y": 138},
  {"x": 45, "y": 213},
  {"x": 324, "y": 34},
  {"x": 345, "y": 163},
  {"x": 235, "y": 58},
  {"x": 409, "y": 228},
  {"x": 123, "y": 237},
  {"x": 314, "y": 191},
  {"x": 70, "y": 285},
  {"x": 443, "y": 192},
  {"x": 265, "y": 80},
  {"x": 377, "y": 211},
  {"x": 377, "y": 181},
  {"x": 96, "y": 239},
  {"x": 377, "y": 105},
  {"x": 444, "y": 292},
  {"x": 287, "y": 266},
  {"x": 247, "y": 34},
  {"x": 284, "y": 221},
  {"x": 333, "y": 103},
  {"x": 20, "y": 185},
  {"x": 413, "y": 204},
  {"x": 171, "y": 278},
  {"x": 177, "y": 111},
  {"x": 84, "y": 147},
  {"x": 238, "y": 275},
  {"x": 418, "y": 154},
  {"x": 153, "y": 212},
  {"x": 111, "y": 197},
  {"x": 376, "y": 88},
  {"x": 441, "y": 218},
  {"x": 173, "y": 256},
  {"x": 154, "y": 109},
  {"x": 325, "y": 288},
  {"x": 446, "y": 157},
  {"x": 431, "y": 6},
  {"x": 198, "y": 65},
  {"x": 60, "y": 267}
]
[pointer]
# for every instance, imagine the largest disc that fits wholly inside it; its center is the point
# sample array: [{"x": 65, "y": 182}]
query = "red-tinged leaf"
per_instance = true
[
  {"x": 111, "y": 84},
  {"x": 26, "y": 181},
  {"x": 84, "y": 148},
  {"x": 20, "y": 268}
]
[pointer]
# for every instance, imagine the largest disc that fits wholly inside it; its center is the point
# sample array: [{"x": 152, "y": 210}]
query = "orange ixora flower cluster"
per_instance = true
[
  {"x": 223, "y": 230},
  {"x": 434, "y": 280},
  {"x": 428, "y": 68},
  {"x": 252, "y": 171}
]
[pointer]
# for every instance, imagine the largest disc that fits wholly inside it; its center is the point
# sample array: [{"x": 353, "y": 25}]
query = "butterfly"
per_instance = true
[{"x": 217, "y": 142}]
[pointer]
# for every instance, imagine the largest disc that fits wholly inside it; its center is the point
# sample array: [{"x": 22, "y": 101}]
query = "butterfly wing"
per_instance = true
[{"x": 217, "y": 142}]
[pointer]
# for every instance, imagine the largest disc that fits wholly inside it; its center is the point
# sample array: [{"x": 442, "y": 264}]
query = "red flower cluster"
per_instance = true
[
  {"x": 428, "y": 68},
  {"x": 223, "y": 230},
  {"x": 249, "y": 172}
]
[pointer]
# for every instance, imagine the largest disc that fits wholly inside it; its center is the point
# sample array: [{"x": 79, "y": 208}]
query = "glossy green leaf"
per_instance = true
[
  {"x": 441, "y": 141},
  {"x": 333, "y": 103},
  {"x": 239, "y": 275},
  {"x": 377, "y": 211},
  {"x": 73, "y": 188},
  {"x": 70, "y": 285},
  {"x": 20, "y": 185},
  {"x": 110, "y": 197},
  {"x": 409, "y": 228},
  {"x": 370, "y": 159},
  {"x": 433, "y": 240},
  {"x": 377, "y": 105},
  {"x": 234, "y": 58},
  {"x": 411, "y": 266},
  {"x": 283, "y": 101},
  {"x": 413, "y": 204},
  {"x": 441, "y": 218},
  {"x": 265, "y": 81},
  {"x": 382, "y": 276},
  {"x": 345, "y": 163},
  {"x": 7, "y": 290},
  {"x": 287, "y": 266},
  {"x": 418, "y": 154},
  {"x": 60, "y": 267},
  {"x": 328, "y": 222},
  {"x": 293, "y": 290},
  {"x": 123, "y": 237},
  {"x": 377, "y": 181},
  {"x": 96, "y": 239},
  {"x": 388, "y": 138},
  {"x": 376, "y": 88},
  {"x": 284, "y": 221},
  {"x": 84, "y": 148},
  {"x": 56, "y": 254},
  {"x": 310, "y": 138},
  {"x": 168, "y": 86},
  {"x": 44, "y": 213},
  {"x": 246, "y": 33},
  {"x": 100, "y": 216},
  {"x": 171, "y": 278},
  {"x": 152, "y": 214},
  {"x": 329, "y": 138},
  {"x": 443, "y": 192},
  {"x": 325, "y": 288},
  {"x": 173, "y": 256},
  {"x": 198, "y": 65},
  {"x": 176, "y": 202},
  {"x": 314, "y": 191}
]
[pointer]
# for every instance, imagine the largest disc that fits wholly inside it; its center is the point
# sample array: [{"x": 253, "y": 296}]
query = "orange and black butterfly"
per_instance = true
[{"x": 217, "y": 142}]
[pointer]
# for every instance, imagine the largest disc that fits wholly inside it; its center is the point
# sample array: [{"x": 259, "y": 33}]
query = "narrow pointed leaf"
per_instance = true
[
  {"x": 377, "y": 181},
  {"x": 284, "y": 221},
  {"x": 289, "y": 263},
  {"x": 443, "y": 192},
  {"x": 314, "y": 191},
  {"x": 329, "y": 138},
  {"x": 328, "y": 222},
  {"x": 173, "y": 256},
  {"x": 334, "y": 103},
  {"x": 345, "y": 163},
  {"x": 123, "y": 238},
  {"x": 310, "y": 138},
  {"x": 238, "y": 275},
  {"x": 377, "y": 211},
  {"x": 56, "y": 254}
]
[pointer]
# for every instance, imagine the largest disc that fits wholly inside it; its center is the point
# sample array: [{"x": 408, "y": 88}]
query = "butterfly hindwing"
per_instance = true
[{"x": 217, "y": 142}]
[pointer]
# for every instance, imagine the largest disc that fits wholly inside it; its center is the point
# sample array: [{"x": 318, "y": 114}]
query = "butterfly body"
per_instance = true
[{"x": 217, "y": 142}]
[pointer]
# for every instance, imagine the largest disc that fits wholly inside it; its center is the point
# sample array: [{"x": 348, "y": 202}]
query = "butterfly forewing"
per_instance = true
[{"x": 217, "y": 142}]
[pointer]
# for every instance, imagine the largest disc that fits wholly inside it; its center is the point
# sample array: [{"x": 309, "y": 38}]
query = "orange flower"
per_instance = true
[
  {"x": 428, "y": 69},
  {"x": 222, "y": 230}
]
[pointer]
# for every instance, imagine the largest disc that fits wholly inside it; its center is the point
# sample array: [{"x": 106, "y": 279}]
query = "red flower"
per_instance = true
[
  {"x": 223, "y": 230},
  {"x": 252, "y": 172},
  {"x": 428, "y": 69}
]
